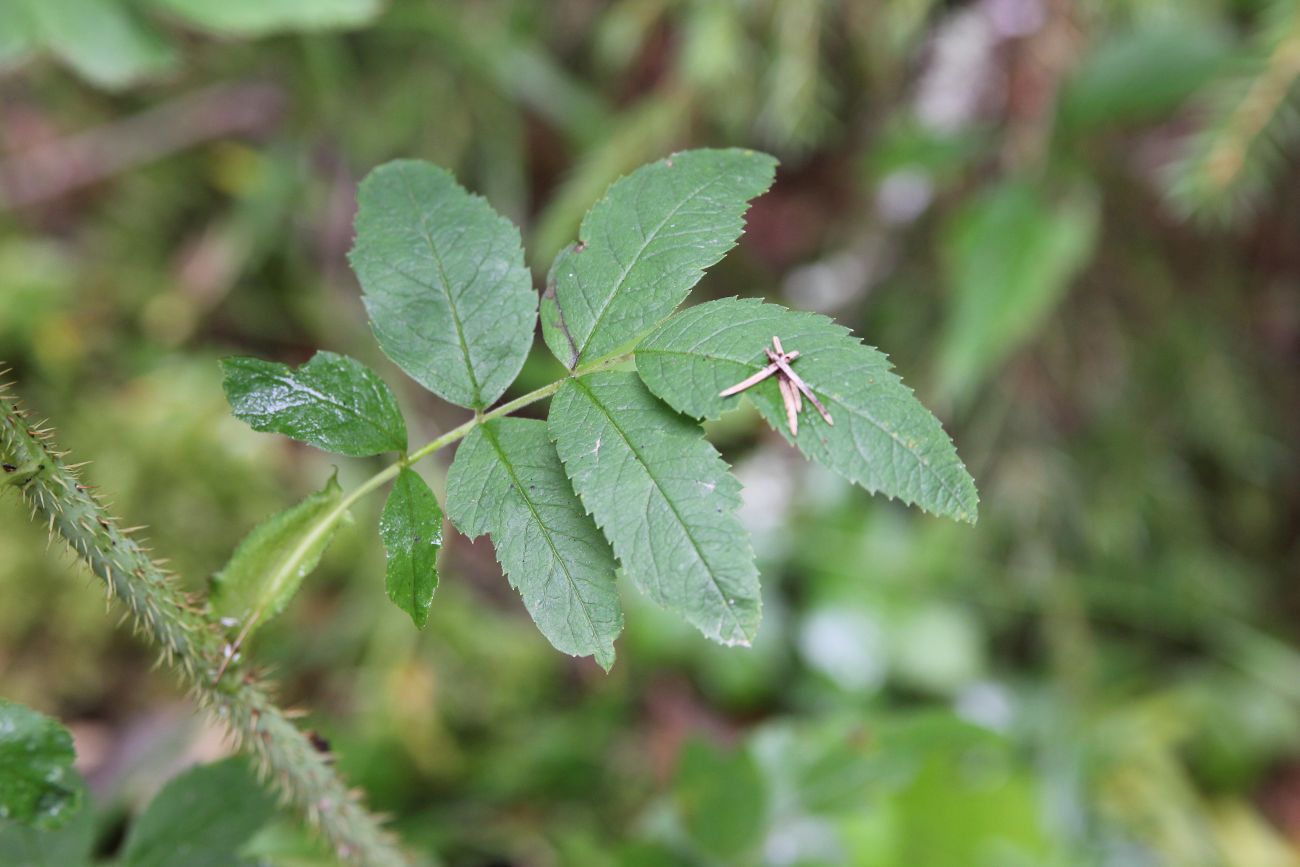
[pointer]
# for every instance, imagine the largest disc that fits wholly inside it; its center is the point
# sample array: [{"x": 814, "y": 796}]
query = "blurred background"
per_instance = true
[{"x": 1074, "y": 225}]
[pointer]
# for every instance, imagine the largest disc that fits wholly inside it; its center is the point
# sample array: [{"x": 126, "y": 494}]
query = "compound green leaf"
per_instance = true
[
  {"x": 333, "y": 402},
  {"x": 882, "y": 437},
  {"x": 411, "y": 527},
  {"x": 202, "y": 818},
  {"x": 507, "y": 481},
  {"x": 644, "y": 245},
  {"x": 262, "y": 17},
  {"x": 267, "y": 568},
  {"x": 104, "y": 41},
  {"x": 663, "y": 497},
  {"x": 445, "y": 284},
  {"x": 38, "y": 786}
]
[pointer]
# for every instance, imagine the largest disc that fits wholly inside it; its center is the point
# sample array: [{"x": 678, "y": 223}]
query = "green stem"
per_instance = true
[{"x": 458, "y": 433}]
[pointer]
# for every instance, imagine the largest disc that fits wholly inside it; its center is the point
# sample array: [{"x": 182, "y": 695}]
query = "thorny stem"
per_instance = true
[{"x": 191, "y": 641}]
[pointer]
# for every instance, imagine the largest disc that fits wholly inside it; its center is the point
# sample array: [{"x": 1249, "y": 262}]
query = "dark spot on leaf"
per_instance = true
[{"x": 9, "y": 468}]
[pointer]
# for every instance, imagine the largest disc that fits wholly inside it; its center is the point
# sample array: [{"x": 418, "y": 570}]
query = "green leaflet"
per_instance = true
[
  {"x": 1013, "y": 255},
  {"x": 202, "y": 818},
  {"x": 663, "y": 497},
  {"x": 261, "y": 17},
  {"x": 333, "y": 402},
  {"x": 507, "y": 481},
  {"x": 411, "y": 527},
  {"x": 445, "y": 284},
  {"x": 268, "y": 566},
  {"x": 882, "y": 439},
  {"x": 105, "y": 41},
  {"x": 38, "y": 786},
  {"x": 644, "y": 245}
]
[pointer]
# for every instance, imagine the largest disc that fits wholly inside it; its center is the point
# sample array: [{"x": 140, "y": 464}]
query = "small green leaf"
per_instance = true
[
  {"x": 644, "y": 245},
  {"x": 37, "y": 784},
  {"x": 449, "y": 297},
  {"x": 202, "y": 818},
  {"x": 263, "y": 17},
  {"x": 1012, "y": 255},
  {"x": 333, "y": 402},
  {"x": 882, "y": 437},
  {"x": 268, "y": 566},
  {"x": 104, "y": 41},
  {"x": 507, "y": 481},
  {"x": 411, "y": 527},
  {"x": 722, "y": 799},
  {"x": 663, "y": 497}
]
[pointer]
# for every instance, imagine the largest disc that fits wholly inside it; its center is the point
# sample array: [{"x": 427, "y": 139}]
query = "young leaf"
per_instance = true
[
  {"x": 268, "y": 566},
  {"x": 663, "y": 497},
  {"x": 37, "y": 784},
  {"x": 445, "y": 284},
  {"x": 104, "y": 41},
  {"x": 507, "y": 481},
  {"x": 202, "y": 818},
  {"x": 882, "y": 438},
  {"x": 333, "y": 402},
  {"x": 411, "y": 527},
  {"x": 262, "y": 17},
  {"x": 644, "y": 245}
]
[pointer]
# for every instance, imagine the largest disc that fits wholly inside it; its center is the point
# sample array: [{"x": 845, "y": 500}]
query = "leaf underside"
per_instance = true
[
  {"x": 644, "y": 245},
  {"x": 411, "y": 527},
  {"x": 664, "y": 498},
  {"x": 507, "y": 481},
  {"x": 267, "y": 568},
  {"x": 882, "y": 438},
  {"x": 449, "y": 297},
  {"x": 334, "y": 402}
]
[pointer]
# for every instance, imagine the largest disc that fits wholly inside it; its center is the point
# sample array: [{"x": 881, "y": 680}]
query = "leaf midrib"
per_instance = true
[
  {"x": 838, "y": 401},
  {"x": 328, "y": 398},
  {"x": 636, "y": 258},
  {"x": 727, "y": 604},
  {"x": 445, "y": 286},
  {"x": 491, "y": 437}
]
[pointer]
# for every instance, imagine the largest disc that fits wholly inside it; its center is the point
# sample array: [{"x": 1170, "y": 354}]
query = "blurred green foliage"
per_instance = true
[{"x": 1103, "y": 672}]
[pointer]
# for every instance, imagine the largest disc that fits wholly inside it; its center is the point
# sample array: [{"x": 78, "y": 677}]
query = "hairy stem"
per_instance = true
[{"x": 190, "y": 642}]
